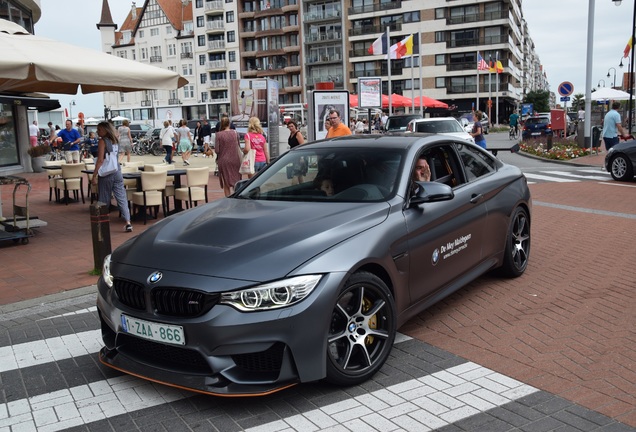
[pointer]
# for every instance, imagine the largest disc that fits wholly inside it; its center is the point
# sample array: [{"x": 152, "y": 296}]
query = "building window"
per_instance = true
[
  {"x": 172, "y": 50},
  {"x": 141, "y": 34},
  {"x": 440, "y": 36},
  {"x": 200, "y": 21},
  {"x": 439, "y": 13},
  {"x": 168, "y": 29},
  {"x": 199, "y": 3},
  {"x": 134, "y": 54},
  {"x": 204, "y": 96},
  {"x": 200, "y": 40},
  {"x": 202, "y": 60},
  {"x": 121, "y": 54},
  {"x": 229, "y": 17},
  {"x": 144, "y": 53},
  {"x": 231, "y": 36},
  {"x": 440, "y": 82},
  {"x": 440, "y": 59},
  {"x": 203, "y": 78},
  {"x": 154, "y": 32},
  {"x": 232, "y": 74},
  {"x": 188, "y": 92},
  {"x": 186, "y": 68},
  {"x": 232, "y": 56}
]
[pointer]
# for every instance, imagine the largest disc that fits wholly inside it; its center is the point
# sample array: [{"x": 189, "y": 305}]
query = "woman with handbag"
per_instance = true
[
  {"x": 107, "y": 169},
  {"x": 227, "y": 150},
  {"x": 255, "y": 140}
]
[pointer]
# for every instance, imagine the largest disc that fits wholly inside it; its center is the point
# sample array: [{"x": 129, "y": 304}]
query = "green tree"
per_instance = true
[
  {"x": 578, "y": 102},
  {"x": 540, "y": 100}
]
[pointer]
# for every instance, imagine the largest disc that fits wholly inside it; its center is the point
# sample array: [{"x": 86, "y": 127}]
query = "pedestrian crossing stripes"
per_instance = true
[{"x": 567, "y": 176}]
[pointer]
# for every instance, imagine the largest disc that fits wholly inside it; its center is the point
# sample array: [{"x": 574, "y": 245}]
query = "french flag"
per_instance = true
[{"x": 380, "y": 46}]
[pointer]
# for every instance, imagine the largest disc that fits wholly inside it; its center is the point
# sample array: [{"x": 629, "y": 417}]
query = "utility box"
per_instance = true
[{"x": 558, "y": 122}]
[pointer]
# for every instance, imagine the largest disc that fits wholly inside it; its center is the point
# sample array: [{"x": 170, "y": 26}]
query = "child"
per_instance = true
[{"x": 324, "y": 184}]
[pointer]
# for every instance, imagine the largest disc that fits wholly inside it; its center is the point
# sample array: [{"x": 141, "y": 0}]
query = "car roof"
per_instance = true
[
  {"x": 398, "y": 140},
  {"x": 428, "y": 119}
]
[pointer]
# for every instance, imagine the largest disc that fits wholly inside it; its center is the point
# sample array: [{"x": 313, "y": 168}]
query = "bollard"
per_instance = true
[
  {"x": 550, "y": 142},
  {"x": 100, "y": 229}
]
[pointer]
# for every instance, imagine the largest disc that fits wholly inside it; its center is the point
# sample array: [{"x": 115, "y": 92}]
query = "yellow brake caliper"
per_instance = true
[{"x": 373, "y": 321}]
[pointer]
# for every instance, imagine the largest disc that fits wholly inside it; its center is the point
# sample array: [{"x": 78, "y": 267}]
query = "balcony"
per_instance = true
[
  {"x": 155, "y": 59},
  {"x": 325, "y": 78},
  {"x": 246, "y": 15},
  {"x": 216, "y": 84},
  {"x": 322, "y": 16},
  {"x": 215, "y": 64},
  {"x": 186, "y": 55},
  {"x": 457, "y": 89},
  {"x": 376, "y": 7},
  {"x": 250, "y": 73},
  {"x": 487, "y": 40},
  {"x": 323, "y": 37},
  {"x": 174, "y": 102},
  {"x": 313, "y": 59},
  {"x": 372, "y": 29},
  {"x": 291, "y": 49},
  {"x": 216, "y": 45},
  {"x": 248, "y": 54},
  {"x": 272, "y": 11},
  {"x": 215, "y": 26},
  {"x": 214, "y": 6},
  {"x": 146, "y": 103},
  {"x": 488, "y": 16}
]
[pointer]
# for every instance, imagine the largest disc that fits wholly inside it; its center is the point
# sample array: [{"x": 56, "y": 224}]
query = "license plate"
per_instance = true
[
  {"x": 535, "y": 133},
  {"x": 154, "y": 331}
]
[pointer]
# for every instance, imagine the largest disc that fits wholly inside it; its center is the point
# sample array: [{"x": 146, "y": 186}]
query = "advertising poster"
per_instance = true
[
  {"x": 369, "y": 92},
  {"x": 273, "y": 120},
  {"x": 325, "y": 101}
]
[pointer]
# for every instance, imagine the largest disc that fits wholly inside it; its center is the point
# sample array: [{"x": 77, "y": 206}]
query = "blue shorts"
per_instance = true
[{"x": 481, "y": 144}]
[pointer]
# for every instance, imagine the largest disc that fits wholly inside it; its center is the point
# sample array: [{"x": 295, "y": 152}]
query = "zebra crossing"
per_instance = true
[
  {"x": 51, "y": 380},
  {"x": 559, "y": 176}
]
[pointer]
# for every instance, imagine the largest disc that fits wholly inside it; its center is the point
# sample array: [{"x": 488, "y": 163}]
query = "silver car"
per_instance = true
[{"x": 298, "y": 282}]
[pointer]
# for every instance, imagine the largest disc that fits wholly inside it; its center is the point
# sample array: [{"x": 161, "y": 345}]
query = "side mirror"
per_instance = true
[{"x": 431, "y": 192}]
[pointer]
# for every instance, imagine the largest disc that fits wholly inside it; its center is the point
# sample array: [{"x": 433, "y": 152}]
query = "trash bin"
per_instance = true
[{"x": 596, "y": 136}]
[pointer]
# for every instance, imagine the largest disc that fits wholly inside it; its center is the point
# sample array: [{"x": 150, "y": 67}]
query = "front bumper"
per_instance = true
[{"x": 227, "y": 352}]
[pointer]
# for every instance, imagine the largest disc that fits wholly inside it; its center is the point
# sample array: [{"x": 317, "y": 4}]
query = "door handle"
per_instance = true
[{"x": 476, "y": 198}]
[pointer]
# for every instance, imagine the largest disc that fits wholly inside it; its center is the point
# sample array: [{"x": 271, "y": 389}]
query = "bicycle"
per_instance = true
[{"x": 514, "y": 132}]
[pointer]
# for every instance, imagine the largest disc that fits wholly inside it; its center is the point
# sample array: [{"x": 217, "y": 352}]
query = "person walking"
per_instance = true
[
  {"x": 206, "y": 134},
  {"x": 255, "y": 140},
  {"x": 34, "y": 132},
  {"x": 227, "y": 157},
  {"x": 125, "y": 141},
  {"x": 70, "y": 142},
  {"x": 295, "y": 139},
  {"x": 167, "y": 137},
  {"x": 337, "y": 127},
  {"x": 477, "y": 132},
  {"x": 110, "y": 183},
  {"x": 612, "y": 126},
  {"x": 198, "y": 139},
  {"x": 185, "y": 141}
]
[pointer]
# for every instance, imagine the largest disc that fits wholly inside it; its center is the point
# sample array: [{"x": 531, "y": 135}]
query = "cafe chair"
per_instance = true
[
  {"x": 54, "y": 174},
  {"x": 169, "y": 192},
  {"x": 130, "y": 184},
  {"x": 153, "y": 186},
  {"x": 71, "y": 180},
  {"x": 136, "y": 164},
  {"x": 197, "y": 189}
]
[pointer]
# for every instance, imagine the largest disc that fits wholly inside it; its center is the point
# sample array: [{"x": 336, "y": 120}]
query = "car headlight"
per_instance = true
[
  {"x": 106, "y": 274},
  {"x": 272, "y": 295}
]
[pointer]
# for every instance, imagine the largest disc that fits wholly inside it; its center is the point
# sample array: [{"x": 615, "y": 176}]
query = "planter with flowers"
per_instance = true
[{"x": 38, "y": 156}]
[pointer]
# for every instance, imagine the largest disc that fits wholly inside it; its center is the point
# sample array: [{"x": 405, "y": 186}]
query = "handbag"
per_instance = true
[
  {"x": 247, "y": 162},
  {"x": 110, "y": 164}
]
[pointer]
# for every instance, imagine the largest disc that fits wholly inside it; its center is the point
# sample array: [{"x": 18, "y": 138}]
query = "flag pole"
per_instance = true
[
  {"x": 419, "y": 60},
  {"x": 497, "y": 94},
  {"x": 477, "y": 101},
  {"x": 388, "y": 64},
  {"x": 489, "y": 86},
  {"x": 412, "y": 86}
]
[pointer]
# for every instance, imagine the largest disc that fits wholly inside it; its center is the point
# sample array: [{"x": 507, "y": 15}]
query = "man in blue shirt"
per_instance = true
[
  {"x": 611, "y": 126},
  {"x": 70, "y": 142}
]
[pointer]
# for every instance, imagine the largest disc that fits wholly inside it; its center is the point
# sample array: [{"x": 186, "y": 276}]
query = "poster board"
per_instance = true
[
  {"x": 369, "y": 92},
  {"x": 321, "y": 102}
]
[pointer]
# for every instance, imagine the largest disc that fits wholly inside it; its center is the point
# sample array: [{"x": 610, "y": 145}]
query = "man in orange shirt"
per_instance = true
[{"x": 337, "y": 127}]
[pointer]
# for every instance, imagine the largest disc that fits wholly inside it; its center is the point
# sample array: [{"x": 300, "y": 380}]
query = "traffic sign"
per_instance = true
[
  {"x": 565, "y": 98},
  {"x": 566, "y": 88}
]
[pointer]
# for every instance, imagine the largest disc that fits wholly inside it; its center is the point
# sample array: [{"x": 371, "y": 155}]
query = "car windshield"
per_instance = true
[
  {"x": 329, "y": 175},
  {"x": 395, "y": 123},
  {"x": 439, "y": 126}
]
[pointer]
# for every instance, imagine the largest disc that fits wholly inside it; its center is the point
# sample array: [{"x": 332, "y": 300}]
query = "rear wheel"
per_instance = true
[
  {"x": 621, "y": 168},
  {"x": 362, "y": 330},
  {"x": 517, "y": 244}
]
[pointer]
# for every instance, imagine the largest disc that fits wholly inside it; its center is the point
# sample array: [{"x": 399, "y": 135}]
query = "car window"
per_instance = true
[
  {"x": 476, "y": 162},
  {"x": 444, "y": 166},
  {"x": 329, "y": 175},
  {"x": 537, "y": 120},
  {"x": 441, "y": 126}
]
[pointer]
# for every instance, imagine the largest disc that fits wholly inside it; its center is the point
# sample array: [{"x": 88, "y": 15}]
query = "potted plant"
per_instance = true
[{"x": 38, "y": 154}]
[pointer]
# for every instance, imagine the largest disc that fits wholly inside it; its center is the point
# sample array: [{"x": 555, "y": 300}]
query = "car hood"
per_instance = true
[{"x": 247, "y": 239}]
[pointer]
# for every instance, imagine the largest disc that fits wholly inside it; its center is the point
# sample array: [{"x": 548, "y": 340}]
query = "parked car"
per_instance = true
[
  {"x": 138, "y": 130},
  {"x": 536, "y": 126},
  {"x": 300, "y": 285},
  {"x": 621, "y": 160},
  {"x": 466, "y": 120},
  {"x": 398, "y": 123},
  {"x": 439, "y": 125}
]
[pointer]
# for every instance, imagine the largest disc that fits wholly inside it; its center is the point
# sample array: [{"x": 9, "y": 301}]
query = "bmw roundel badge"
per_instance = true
[
  {"x": 155, "y": 277},
  {"x": 435, "y": 257}
]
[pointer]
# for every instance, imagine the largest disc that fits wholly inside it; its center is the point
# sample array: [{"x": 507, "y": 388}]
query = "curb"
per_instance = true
[{"x": 47, "y": 302}]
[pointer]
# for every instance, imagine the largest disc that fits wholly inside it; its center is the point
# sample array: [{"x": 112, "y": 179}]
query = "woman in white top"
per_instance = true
[
  {"x": 125, "y": 141},
  {"x": 167, "y": 138},
  {"x": 185, "y": 141}
]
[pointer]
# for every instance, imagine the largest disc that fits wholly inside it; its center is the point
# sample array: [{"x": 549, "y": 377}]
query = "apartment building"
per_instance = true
[{"x": 300, "y": 43}]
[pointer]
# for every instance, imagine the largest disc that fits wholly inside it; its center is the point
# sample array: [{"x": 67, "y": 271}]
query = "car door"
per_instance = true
[{"x": 445, "y": 237}]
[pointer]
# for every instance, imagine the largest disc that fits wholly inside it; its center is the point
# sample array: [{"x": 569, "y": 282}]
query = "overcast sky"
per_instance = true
[{"x": 558, "y": 28}]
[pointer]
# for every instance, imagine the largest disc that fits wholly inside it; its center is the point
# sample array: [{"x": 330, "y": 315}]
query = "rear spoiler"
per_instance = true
[{"x": 513, "y": 149}]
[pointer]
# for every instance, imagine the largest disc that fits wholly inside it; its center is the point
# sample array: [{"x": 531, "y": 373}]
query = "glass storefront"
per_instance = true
[{"x": 8, "y": 141}]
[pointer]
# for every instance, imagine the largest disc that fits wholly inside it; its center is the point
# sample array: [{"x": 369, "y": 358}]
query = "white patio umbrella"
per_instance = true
[
  {"x": 29, "y": 63},
  {"x": 605, "y": 93},
  {"x": 120, "y": 118}
]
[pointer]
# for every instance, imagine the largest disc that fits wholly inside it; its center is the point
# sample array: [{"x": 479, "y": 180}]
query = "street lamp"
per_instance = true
[
  {"x": 631, "y": 65},
  {"x": 71, "y": 104},
  {"x": 608, "y": 75},
  {"x": 599, "y": 83}
]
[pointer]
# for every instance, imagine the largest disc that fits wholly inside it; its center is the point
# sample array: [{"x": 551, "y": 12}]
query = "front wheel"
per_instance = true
[
  {"x": 621, "y": 168},
  {"x": 362, "y": 330},
  {"x": 517, "y": 250}
]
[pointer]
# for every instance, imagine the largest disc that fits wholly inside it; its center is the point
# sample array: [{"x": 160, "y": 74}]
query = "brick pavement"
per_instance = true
[{"x": 566, "y": 326}]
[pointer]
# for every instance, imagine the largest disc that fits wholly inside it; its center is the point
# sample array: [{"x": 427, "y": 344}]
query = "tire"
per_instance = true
[
  {"x": 517, "y": 250},
  {"x": 621, "y": 168},
  {"x": 157, "y": 149},
  {"x": 362, "y": 330}
]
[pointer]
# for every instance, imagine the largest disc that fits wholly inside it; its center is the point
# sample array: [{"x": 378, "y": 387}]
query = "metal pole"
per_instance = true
[
  {"x": 631, "y": 72},
  {"x": 588, "y": 76}
]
